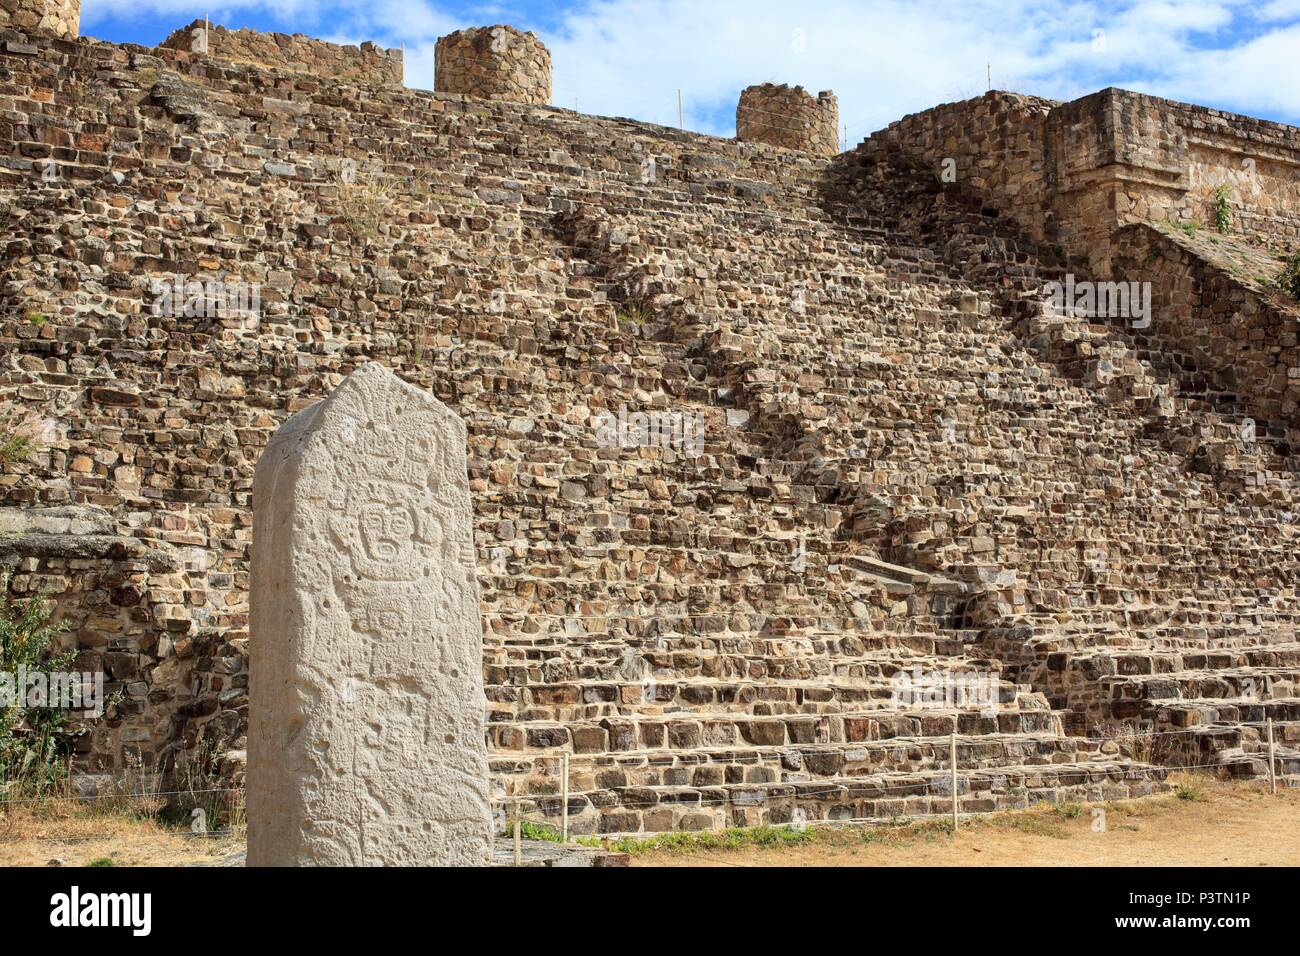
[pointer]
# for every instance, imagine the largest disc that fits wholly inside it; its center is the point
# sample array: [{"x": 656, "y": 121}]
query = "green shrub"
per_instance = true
[
  {"x": 528, "y": 830},
  {"x": 17, "y": 439},
  {"x": 638, "y": 313},
  {"x": 1289, "y": 278},
  {"x": 34, "y": 743},
  {"x": 15, "y": 447},
  {"x": 1189, "y": 791},
  {"x": 1222, "y": 210}
]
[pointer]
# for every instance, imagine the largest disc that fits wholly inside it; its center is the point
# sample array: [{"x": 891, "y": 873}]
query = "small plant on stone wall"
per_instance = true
[
  {"x": 201, "y": 798},
  {"x": 34, "y": 742},
  {"x": 18, "y": 436},
  {"x": 638, "y": 313},
  {"x": 1288, "y": 279},
  {"x": 1222, "y": 209},
  {"x": 1189, "y": 227},
  {"x": 367, "y": 196}
]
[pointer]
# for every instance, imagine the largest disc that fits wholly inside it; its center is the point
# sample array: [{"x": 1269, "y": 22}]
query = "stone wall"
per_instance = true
[
  {"x": 790, "y": 117},
  {"x": 883, "y": 435},
  {"x": 367, "y": 63},
  {"x": 1213, "y": 300},
  {"x": 60, "y": 18},
  {"x": 1076, "y": 172},
  {"x": 494, "y": 63},
  {"x": 993, "y": 146},
  {"x": 1258, "y": 160},
  {"x": 162, "y": 426},
  {"x": 129, "y": 605}
]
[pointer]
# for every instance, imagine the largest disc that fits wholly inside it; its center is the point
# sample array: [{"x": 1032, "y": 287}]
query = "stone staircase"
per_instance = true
[
  {"x": 839, "y": 742},
  {"x": 909, "y": 464}
]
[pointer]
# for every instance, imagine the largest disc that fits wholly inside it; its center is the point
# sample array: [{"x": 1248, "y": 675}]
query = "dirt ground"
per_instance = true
[
  {"x": 62, "y": 834},
  {"x": 1213, "y": 823}
]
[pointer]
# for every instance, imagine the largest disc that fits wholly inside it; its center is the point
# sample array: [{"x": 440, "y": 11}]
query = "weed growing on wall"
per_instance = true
[
  {"x": 1222, "y": 211},
  {"x": 18, "y": 440},
  {"x": 1289, "y": 278},
  {"x": 34, "y": 742}
]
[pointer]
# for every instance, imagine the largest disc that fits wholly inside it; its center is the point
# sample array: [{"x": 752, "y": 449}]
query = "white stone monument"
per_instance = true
[{"x": 366, "y": 739}]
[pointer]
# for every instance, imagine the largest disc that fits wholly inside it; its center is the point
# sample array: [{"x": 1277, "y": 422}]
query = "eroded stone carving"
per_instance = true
[{"x": 366, "y": 741}]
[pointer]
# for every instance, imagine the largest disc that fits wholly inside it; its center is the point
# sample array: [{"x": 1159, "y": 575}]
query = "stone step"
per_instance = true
[
  {"x": 650, "y": 809},
  {"x": 876, "y": 680},
  {"x": 637, "y": 666},
  {"x": 538, "y": 774},
  {"x": 753, "y": 646},
  {"x": 1270, "y": 659},
  {"x": 1204, "y": 712},
  {"x": 1246, "y": 683},
  {"x": 606, "y": 733},
  {"x": 586, "y": 700},
  {"x": 1247, "y": 765}
]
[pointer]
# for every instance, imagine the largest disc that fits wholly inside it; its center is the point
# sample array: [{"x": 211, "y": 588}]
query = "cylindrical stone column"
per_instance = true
[
  {"x": 494, "y": 63},
  {"x": 789, "y": 116},
  {"x": 59, "y": 18}
]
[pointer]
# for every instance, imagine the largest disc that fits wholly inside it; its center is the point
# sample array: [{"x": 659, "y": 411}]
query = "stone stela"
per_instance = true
[{"x": 366, "y": 716}]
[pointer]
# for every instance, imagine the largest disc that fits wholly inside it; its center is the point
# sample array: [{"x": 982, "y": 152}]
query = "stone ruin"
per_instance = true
[
  {"x": 59, "y": 18},
  {"x": 365, "y": 739},
  {"x": 915, "y": 467},
  {"x": 791, "y": 117},
  {"x": 367, "y": 63},
  {"x": 494, "y": 63}
]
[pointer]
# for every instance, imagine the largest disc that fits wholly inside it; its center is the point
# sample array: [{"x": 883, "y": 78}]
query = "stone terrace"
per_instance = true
[{"x": 909, "y": 462}]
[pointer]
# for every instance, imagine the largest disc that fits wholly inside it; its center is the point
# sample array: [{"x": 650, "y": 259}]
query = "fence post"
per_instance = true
[
  {"x": 1272, "y": 769},
  {"x": 518, "y": 844},
  {"x": 564, "y": 808},
  {"x": 953, "y": 762}
]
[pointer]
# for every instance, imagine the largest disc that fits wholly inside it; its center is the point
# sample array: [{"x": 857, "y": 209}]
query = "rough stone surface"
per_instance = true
[
  {"x": 906, "y": 460},
  {"x": 1076, "y": 172},
  {"x": 494, "y": 63},
  {"x": 59, "y": 18},
  {"x": 1104, "y": 175},
  {"x": 789, "y": 116},
  {"x": 367, "y": 63},
  {"x": 366, "y": 724}
]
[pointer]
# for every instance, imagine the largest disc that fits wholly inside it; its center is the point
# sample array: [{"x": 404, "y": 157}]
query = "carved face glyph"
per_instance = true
[{"x": 386, "y": 531}]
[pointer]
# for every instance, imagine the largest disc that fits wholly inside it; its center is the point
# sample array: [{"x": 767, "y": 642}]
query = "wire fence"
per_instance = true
[
  {"x": 941, "y": 782},
  {"x": 950, "y": 782}
]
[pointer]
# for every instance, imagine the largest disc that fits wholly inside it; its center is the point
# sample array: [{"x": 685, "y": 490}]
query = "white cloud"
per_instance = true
[
  {"x": 883, "y": 58},
  {"x": 1280, "y": 10}
]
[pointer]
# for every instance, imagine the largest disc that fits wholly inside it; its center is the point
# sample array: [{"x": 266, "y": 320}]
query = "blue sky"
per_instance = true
[{"x": 883, "y": 58}]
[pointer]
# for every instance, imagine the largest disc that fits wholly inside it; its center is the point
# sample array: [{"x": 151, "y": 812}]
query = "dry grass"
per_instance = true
[
  {"x": 1204, "y": 822},
  {"x": 107, "y": 833},
  {"x": 370, "y": 197},
  {"x": 144, "y": 820},
  {"x": 19, "y": 435}
]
